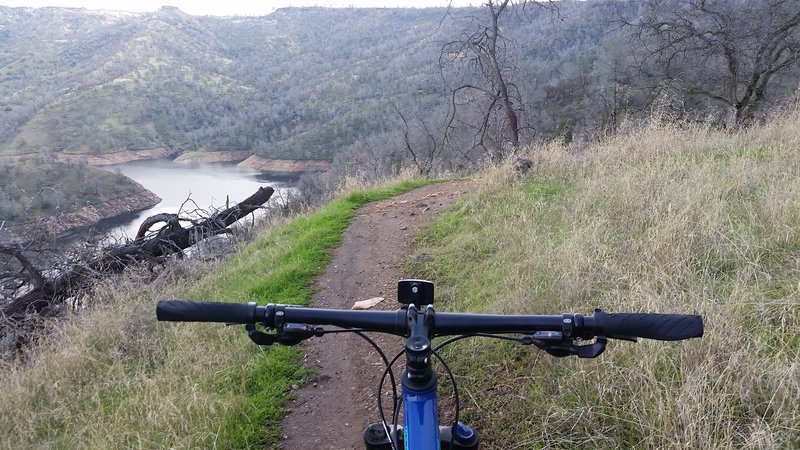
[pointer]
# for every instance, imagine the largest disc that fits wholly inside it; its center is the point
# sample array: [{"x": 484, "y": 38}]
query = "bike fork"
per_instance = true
[
  {"x": 415, "y": 433},
  {"x": 466, "y": 438}
]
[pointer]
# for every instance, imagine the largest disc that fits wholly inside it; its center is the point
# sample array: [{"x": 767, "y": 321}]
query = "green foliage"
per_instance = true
[
  {"x": 278, "y": 267},
  {"x": 257, "y": 395}
]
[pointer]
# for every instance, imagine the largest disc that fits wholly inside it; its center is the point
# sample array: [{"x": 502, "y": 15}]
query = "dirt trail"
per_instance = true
[{"x": 332, "y": 411}]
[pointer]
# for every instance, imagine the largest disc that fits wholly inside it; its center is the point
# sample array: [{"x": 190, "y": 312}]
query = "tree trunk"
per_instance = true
[{"x": 168, "y": 240}]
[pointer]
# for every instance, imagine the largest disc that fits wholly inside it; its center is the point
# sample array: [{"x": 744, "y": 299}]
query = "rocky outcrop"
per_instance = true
[
  {"x": 120, "y": 157},
  {"x": 284, "y": 165},
  {"x": 105, "y": 159},
  {"x": 213, "y": 157}
]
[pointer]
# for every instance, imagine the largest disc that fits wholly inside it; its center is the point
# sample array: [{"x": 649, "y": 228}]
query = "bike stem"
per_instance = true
[
  {"x": 419, "y": 375},
  {"x": 420, "y": 419},
  {"x": 421, "y": 415}
]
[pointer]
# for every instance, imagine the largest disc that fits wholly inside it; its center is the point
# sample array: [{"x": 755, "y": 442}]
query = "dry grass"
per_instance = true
[
  {"x": 113, "y": 377},
  {"x": 667, "y": 218}
]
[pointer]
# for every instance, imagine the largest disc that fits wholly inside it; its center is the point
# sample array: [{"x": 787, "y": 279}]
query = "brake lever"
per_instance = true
[
  {"x": 592, "y": 350},
  {"x": 259, "y": 337},
  {"x": 289, "y": 334},
  {"x": 554, "y": 343},
  {"x": 295, "y": 333}
]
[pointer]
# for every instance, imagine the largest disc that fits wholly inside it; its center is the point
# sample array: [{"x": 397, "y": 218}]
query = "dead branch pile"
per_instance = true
[{"x": 38, "y": 293}]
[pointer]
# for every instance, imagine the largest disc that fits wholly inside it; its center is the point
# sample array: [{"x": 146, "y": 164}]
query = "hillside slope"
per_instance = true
[
  {"x": 669, "y": 218},
  {"x": 665, "y": 218},
  {"x": 314, "y": 83},
  {"x": 297, "y": 84}
]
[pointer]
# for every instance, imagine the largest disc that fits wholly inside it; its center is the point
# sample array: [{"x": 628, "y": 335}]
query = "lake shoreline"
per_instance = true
[
  {"x": 192, "y": 188},
  {"x": 129, "y": 209},
  {"x": 284, "y": 165},
  {"x": 82, "y": 218},
  {"x": 242, "y": 158},
  {"x": 232, "y": 157}
]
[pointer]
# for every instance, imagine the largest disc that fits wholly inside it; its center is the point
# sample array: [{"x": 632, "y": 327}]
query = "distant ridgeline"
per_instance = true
[
  {"x": 297, "y": 84},
  {"x": 302, "y": 83}
]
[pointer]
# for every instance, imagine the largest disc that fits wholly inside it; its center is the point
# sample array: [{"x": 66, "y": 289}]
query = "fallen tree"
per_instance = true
[{"x": 40, "y": 291}]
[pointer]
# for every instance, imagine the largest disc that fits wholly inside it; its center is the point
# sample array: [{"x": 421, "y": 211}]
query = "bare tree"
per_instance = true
[
  {"x": 483, "y": 52},
  {"x": 423, "y": 154},
  {"x": 612, "y": 72},
  {"x": 725, "y": 51}
]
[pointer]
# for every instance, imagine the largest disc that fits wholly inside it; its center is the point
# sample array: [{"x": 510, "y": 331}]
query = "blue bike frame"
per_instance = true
[
  {"x": 421, "y": 429},
  {"x": 420, "y": 419}
]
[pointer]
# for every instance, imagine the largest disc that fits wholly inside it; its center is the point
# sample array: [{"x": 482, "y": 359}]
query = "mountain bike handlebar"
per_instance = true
[
  {"x": 562, "y": 335},
  {"x": 665, "y": 327}
]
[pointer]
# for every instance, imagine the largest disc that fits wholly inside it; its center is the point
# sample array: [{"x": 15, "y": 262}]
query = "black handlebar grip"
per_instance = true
[
  {"x": 187, "y": 311},
  {"x": 663, "y": 327}
]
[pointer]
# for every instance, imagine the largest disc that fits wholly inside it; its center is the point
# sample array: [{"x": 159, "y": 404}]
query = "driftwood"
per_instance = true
[{"x": 45, "y": 292}]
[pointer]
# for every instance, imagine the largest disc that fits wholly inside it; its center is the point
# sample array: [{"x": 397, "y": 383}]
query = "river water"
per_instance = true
[{"x": 184, "y": 188}]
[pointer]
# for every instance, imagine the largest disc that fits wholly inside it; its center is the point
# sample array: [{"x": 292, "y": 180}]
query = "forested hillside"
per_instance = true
[
  {"x": 298, "y": 84},
  {"x": 376, "y": 85},
  {"x": 35, "y": 187}
]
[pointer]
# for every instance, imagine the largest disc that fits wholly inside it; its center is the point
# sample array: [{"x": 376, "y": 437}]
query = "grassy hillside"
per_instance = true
[
  {"x": 665, "y": 219},
  {"x": 115, "y": 378}
]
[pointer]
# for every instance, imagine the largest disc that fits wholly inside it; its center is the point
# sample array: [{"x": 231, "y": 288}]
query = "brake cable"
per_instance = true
[
  {"x": 301, "y": 332},
  {"x": 396, "y": 403},
  {"x": 455, "y": 397}
]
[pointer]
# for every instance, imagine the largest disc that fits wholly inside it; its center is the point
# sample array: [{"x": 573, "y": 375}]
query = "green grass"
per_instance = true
[
  {"x": 667, "y": 219},
  {"x": 113, "y": 377},
  {"x": 469, "y": 240},
  {"x": 279, "y": 267}
]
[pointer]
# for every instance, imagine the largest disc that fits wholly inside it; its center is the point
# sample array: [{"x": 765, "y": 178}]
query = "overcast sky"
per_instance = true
[{"x": 229, "y": 7}]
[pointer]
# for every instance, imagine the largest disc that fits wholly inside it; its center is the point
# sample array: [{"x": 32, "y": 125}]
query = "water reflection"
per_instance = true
[{"x": 186, "y": 188}]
